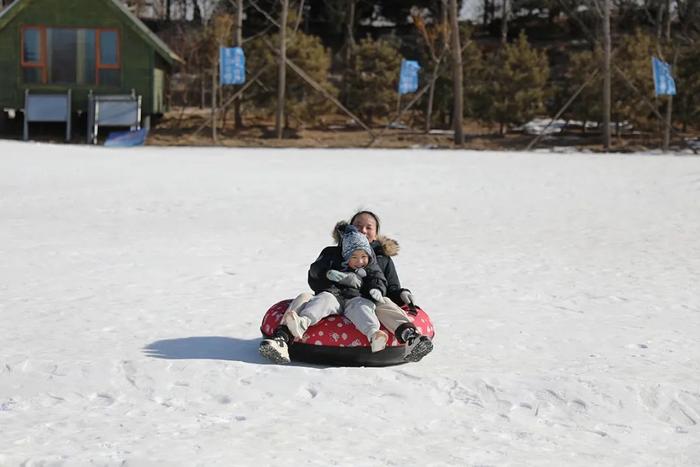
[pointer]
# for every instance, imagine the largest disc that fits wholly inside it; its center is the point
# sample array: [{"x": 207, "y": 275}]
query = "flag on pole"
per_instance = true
[
  {"x": 663, "y": 81},
  {"x": 408, "y": 79},
  {"x": 231, "y": 65}
]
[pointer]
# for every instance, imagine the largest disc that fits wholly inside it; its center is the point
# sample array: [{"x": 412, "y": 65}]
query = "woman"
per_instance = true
[{"x": 389, "y": 312}]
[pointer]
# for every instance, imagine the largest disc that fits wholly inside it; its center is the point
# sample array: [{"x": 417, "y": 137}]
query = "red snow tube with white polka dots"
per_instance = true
[{"x": 336, "y": 341}]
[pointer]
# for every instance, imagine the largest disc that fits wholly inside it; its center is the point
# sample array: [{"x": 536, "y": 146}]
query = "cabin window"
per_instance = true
[
  {"x": 71, "y": 56},
  {"x": 108, "y": 64},
  {"x": 31, "y": 50},
  {"x": 33, "y": 60}
]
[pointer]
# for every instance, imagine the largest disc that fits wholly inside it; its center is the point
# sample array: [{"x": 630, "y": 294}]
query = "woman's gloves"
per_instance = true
[
  {"x": 406, "y": 296},
  {"x": 348, "y": 279}
]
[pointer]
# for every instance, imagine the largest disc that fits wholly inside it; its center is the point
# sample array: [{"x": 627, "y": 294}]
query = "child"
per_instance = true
[
  {"x": 389, "y": 313},
  {"x": 350, "y": 287}
]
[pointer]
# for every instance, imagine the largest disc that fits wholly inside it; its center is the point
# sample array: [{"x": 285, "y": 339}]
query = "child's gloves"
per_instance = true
[
  {"x": 376, "y": 294},
  {"x": 347, "y": 279},
  {"x": 407, "y": 296}
]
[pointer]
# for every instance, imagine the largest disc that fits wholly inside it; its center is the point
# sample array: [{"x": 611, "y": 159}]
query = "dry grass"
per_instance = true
[{"x": 192, "y": 127}]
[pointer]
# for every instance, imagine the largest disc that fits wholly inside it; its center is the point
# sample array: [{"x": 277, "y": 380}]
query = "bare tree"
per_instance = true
[
  {"x": 457, "y": 76},
  {"x": 607, "y": 81},
  {"x": 282, "y": 70}
]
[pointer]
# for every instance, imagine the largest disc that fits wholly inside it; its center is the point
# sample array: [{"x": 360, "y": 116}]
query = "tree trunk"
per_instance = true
[
  {"x": 431, "y": 98},
  {"x": 669, "y": 103},
  {"x": 606, "y": 75},
  {"x": 659, "y": 21},
  {"x": 434, "y": 78},
  {"x": 349, "y": 40},
  {"x": 504, "y": 21},
  {"x": 197, "y": 14},
  {"x": 238, "y": 42},
  {"x": 202, "y": 89},
  {"x": 213, "y": 102},
  {"x": 282, "y": 71},
  {"x": 350, "y": 24},
  {"x": 457, "y": 75}
]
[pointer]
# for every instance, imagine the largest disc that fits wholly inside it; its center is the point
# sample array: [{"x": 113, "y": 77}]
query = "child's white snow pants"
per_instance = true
[
  {"x": 388, "y": 313},
  {"x": 359, "y": 310}
]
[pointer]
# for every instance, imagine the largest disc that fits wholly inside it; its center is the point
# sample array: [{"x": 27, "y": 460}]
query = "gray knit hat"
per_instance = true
[{"x": 351, "y": 239}]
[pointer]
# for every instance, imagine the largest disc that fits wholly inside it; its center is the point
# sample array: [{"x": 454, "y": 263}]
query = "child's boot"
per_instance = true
[{"x": 275, "y": 349}]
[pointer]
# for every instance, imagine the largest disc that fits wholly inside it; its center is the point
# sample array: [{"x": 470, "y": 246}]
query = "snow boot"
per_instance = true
[
  {"x": 275, "y": 349},
  {"x": 417, "y": 347}
]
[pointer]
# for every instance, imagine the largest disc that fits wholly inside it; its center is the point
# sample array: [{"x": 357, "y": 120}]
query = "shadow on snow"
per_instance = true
[
  {"x": 206, "y": 348},
  {"x": 211, "y": 348}
]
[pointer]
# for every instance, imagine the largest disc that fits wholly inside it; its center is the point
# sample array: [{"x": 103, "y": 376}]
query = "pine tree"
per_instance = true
[
  {"x": 372, "y": 79},
  {"x": 587, "y": 107},
  {"x": 473, "y": 81},
  {"x": 515, "y": 80},
  {"x": 633, "y": 91},
  {"x": 687, "y": 76},
  {"x": 302, "y": 103}
]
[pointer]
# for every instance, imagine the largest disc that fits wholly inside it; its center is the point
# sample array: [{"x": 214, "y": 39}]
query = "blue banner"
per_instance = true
[
  {"x": 663, "y": 81},
  {"x": 408, "y": 79},
  {"x": 231, "y": 65}
]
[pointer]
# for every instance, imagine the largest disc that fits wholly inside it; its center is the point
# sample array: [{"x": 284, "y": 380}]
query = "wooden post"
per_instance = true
[
  {"x": 457, "y": 75},
  {"x": 607, "y": 94},
  {"x": 668, "y": 122},
  {"x": 282, "y": 71}
]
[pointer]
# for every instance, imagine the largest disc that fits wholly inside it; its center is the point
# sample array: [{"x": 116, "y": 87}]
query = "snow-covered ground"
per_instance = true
[{"x": 564, "y": 289}]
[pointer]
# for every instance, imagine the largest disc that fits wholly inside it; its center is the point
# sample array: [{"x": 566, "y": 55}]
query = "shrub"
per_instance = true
[
  {"x": 372, "y": 79},
  {"x": 302, "y": 102}
]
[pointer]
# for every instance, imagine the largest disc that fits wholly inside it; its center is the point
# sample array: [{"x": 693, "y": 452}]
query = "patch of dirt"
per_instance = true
[{"x": 192, "y": 127}]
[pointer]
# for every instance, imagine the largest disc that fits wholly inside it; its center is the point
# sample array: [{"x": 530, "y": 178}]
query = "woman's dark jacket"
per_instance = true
[{"x": 331, "y": 258}]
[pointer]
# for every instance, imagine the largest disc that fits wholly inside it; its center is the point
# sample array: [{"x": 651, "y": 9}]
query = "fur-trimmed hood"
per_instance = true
[{"x": 383, "y": 246}]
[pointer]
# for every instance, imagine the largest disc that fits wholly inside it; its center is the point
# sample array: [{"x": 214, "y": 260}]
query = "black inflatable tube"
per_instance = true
[{"x": 346, "y": 356}]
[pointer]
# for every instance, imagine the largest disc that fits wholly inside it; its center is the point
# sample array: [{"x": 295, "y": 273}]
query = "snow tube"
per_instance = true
[{"x": 336, "y": 341}]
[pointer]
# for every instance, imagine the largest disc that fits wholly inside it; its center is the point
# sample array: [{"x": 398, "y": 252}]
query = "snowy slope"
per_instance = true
[{"x": 563, "y": 288}]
